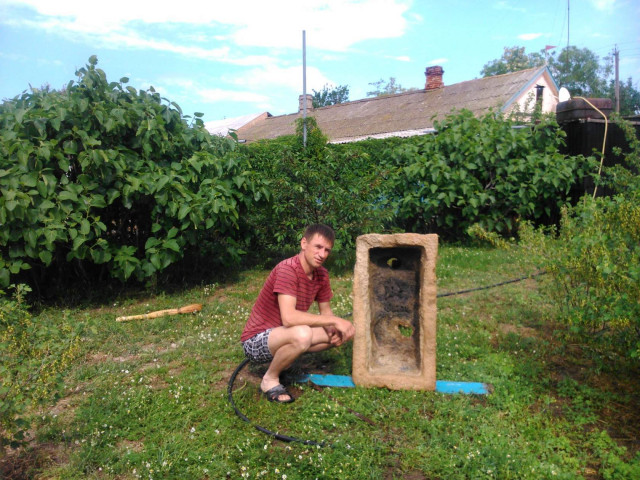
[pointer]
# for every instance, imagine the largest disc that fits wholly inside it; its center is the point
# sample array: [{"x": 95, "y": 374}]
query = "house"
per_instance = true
[{"x": 413, "y": 113}]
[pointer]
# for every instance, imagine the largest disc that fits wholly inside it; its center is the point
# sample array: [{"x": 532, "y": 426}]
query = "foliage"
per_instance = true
[
  {"x": 389, "y": 88},
  {"x": 513, "y": 59},
  {"x": 103, "y": 177},
  {"x": 316, "y": 184},
  {"x": 34, "y": 354},
  {"x": 629, "y": 97},
  {"x": 330, "y": 96},
  {"x": 623, "y": 177},
  {"x": 580, "y": 71},
  {"x": 481, "y": 170},
  {"x": 595, "y": 265},
  {"x": 596, "y": 260}
]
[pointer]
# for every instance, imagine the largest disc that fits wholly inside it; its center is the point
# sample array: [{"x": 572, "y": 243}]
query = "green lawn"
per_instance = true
[{"x": 148, "y": 399}]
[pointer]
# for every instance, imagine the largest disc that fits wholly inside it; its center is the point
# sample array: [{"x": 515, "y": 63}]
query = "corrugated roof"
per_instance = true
[{"x": 410, "y": 112}]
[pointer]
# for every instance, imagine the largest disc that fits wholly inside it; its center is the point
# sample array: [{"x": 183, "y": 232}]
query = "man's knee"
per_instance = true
[{"x": 301, "y": 337}]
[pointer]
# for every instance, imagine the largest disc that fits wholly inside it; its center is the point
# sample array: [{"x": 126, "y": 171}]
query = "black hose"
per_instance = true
[
  {"x": 459, "y": 292},
  {"x": 278, "y": 436}
]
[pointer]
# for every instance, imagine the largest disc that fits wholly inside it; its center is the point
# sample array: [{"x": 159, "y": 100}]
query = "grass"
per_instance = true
[{"x": 148, "y": 399}]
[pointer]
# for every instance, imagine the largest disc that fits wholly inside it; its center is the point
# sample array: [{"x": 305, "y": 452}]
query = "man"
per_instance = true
[{"x": 279, "y": 328}]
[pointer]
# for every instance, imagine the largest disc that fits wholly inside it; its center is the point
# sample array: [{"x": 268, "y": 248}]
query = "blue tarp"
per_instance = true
[{"x": 442, "y": 386}]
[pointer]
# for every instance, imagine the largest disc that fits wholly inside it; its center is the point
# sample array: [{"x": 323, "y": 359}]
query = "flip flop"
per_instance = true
[{"x": 273, "y": 393}]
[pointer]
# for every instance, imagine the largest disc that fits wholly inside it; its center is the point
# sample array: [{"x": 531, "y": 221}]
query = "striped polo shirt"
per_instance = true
[{"x": 288, "y": 278}]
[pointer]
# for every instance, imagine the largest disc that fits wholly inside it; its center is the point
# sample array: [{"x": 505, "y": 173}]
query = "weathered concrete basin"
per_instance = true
[{"x": 394, "y": 311}]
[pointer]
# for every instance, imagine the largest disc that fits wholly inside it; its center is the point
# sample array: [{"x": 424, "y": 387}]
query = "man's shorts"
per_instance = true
[{"x": 256, "y": 348}]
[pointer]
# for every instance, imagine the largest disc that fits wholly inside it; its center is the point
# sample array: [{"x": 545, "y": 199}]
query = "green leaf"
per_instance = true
[
  {"x": 185, "y": 208},
  {"x": 45, "y": 256},
  {"x": 85, "y": 227},
  {"x": 67, "y": 195},
  {"x": 172, "y": 245}
]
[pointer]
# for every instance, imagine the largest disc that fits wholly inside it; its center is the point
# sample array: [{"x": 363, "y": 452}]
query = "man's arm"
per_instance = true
[{"x": 291, "y": 317}]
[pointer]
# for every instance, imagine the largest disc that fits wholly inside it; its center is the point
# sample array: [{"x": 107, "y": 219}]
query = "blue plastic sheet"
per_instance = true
[{"x": 442, "y": 386}]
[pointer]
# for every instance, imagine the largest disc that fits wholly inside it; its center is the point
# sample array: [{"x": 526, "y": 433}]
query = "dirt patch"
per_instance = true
[
  {"x": 130, "y": 446},
  {"x": 528, "y": 332},
  {"x": 99, "y": 357},
  {"x": 24, "y": 463}
]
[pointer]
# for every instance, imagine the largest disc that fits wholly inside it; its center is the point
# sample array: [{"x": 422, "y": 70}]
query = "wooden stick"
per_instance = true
[{"x": 194, "y": 307}]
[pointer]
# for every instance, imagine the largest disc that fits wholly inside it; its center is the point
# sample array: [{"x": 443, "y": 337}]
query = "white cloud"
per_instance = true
[
  {"x": 529, "y": 36},
  {"x": 329, "y": 24},
  {"x": 603, "y": 5},
  {"x": 437, "y": 61}
]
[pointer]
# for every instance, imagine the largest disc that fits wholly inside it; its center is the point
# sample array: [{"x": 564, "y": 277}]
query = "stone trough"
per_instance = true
[{"x": 394, "y": 311}]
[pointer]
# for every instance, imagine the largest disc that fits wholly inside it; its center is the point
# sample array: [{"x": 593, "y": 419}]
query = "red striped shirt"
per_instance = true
[{"x": 288, "y": 278}]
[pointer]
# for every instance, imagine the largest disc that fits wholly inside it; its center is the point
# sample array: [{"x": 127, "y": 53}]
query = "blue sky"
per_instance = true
[{"x": 233, "y": 58}]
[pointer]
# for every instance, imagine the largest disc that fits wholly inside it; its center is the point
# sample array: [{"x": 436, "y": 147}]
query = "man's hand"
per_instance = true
[
  {"x": 334, "y": 336},
  {"x": 344, "y": 331}
]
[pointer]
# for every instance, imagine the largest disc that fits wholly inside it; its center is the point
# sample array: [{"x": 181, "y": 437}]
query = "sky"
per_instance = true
[{"x": 228, "y": 59}]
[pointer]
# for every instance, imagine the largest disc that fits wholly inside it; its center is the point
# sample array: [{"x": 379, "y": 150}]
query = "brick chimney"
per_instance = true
[
  {"x": 301, "y": 101},
  {"x": 434, "y": 77}
]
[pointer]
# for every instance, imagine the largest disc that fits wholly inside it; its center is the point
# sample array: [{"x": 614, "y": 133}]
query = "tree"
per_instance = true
[
  {"x": 330, "y": 96},
  {"x": 629, "y": 97},
  {"x": 513, "y": 59},
  {"x": 580, "y": 71},
  {"x": 391, "y": 88}
]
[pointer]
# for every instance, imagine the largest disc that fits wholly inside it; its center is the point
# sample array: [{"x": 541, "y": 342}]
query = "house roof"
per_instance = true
[
  {"x": 404, "y": 114},
  {"x": 222, "y": 127}
]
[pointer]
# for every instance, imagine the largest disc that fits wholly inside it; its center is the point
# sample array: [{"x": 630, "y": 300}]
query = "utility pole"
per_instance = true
[
  {"x": 568, "y": 21},
  {"x": 304, "y": 88},
  {"x": 616, "y": 56}
]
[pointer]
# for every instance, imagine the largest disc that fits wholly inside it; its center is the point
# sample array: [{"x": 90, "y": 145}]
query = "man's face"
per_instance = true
[{"x": 316, "y": 250}]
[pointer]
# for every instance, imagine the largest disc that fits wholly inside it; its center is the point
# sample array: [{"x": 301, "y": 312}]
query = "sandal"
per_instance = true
[{"x": 273, "y": 394}]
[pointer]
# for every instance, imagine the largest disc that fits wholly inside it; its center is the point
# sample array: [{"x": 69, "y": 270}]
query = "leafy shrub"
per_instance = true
[
  {"x": 481, "y": 170},
  {"x": 100, "y": 174},
  {"x": 315, "y": 184},
  {"x": 33, "y": 357},
  {"x": 595, "y": 262}
]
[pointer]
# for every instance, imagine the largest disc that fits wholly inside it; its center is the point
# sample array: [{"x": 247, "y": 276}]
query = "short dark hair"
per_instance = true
[{"x": 323, "y": 230}]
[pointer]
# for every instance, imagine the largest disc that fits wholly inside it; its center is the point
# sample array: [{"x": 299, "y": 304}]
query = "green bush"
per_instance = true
[
  {"x": 102, "y": 175},
  {"x": 595, "y": 261},
  {"x": 597, "y": 269},
  {"x": 485, "y": 171},
  {"x": 33, "y": 357},
  {"x": 315, "y": 184}
]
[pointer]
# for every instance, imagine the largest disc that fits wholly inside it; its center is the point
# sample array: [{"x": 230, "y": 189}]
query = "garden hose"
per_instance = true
[
  {"x": 499, "y": 284},
  {"x": 278, "y": 436}
]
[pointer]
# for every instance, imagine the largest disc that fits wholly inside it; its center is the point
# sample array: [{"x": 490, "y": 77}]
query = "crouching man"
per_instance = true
[{"x": 280, "y": 328}]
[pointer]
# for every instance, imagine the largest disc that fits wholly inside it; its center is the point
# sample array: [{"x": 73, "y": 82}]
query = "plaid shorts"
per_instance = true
[{"x": 256, "y": 348}]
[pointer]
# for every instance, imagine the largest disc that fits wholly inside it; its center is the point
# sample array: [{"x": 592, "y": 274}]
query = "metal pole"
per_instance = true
[
  {"x": 304, "y": 88},
  {"x": 617, "y": 84},
  {"x": 568, "y": 22}
]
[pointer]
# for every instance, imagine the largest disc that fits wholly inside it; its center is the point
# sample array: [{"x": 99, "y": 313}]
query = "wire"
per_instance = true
[
  {"x": 506, "y": 282},
  {"x": 604, "y": 141}
]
